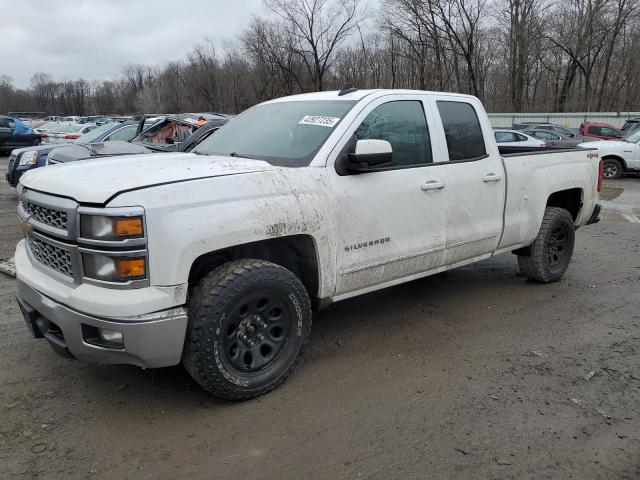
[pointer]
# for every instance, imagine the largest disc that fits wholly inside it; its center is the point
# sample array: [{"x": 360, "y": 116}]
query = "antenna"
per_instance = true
[{"x": 348, "y": 88}]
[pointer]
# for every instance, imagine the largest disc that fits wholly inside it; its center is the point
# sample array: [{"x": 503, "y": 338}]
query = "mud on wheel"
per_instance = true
[
  {"x": 549, "y": 256},
  {"x": 248, "y": 323}
]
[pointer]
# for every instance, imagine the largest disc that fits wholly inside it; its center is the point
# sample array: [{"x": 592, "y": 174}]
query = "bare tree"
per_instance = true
[{"x": 318, "y": 28}]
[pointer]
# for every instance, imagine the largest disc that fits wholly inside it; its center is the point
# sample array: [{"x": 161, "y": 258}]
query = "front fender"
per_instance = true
[{"x": 189, "y": 219}]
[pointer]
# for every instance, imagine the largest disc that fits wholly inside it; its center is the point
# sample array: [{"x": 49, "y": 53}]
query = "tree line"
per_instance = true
[{"x": 515, "y": 55}]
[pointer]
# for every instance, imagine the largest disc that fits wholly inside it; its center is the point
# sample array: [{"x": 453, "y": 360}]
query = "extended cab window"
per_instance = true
[
  {"x": 403, "y": 125},
  {"x": 462, "y": 130}
]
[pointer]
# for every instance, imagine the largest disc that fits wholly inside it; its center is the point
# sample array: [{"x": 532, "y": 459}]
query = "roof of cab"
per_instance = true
[{"x": 357, "y": 95}]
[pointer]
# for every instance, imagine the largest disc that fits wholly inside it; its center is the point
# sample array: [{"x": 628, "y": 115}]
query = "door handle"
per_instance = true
[
  {"x": 492, "y": 177},
  {"x": 432, "y": 185}
]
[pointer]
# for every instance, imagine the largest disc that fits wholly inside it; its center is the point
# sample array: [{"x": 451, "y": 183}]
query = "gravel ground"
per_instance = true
[{"x": 475, "y": 373}]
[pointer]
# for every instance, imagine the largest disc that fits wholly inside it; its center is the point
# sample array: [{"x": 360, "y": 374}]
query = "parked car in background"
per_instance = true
[
  {"x": 72, "y": 153},
  {"x": 168, "y": 134},
  {"x": 11, "y": 136},
  {"x": 630, "y": 125},
  {"x": 603, "y": 131},
  {"x": 618, "y": 156},
  {"x": 554, "y": 139},
  {"x": 516, "y": 141},
  {"x": 61, "y": 132},
  {"x": 97, "y": 119},
  {"x": 523, "y": 125},
  {"x": 28, "y": 158},
  {"x": 78, "y": 151},
  {"x": 551, "y": 127}
]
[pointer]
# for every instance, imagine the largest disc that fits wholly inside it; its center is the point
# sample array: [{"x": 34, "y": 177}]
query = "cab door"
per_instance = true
[
  {"x": 476, "y": 180},
  {"x": 391, "y": 221}
]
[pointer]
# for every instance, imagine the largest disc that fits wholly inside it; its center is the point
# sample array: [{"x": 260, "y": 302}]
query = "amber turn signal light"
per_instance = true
[
  {"x": 128, "y": 227},
  {"x": 130, "y": 268}
]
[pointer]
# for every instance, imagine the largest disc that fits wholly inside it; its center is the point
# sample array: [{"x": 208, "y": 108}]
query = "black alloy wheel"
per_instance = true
[
  {"x": 256, "y": 330},
  {"x": 556, "y": 245}
]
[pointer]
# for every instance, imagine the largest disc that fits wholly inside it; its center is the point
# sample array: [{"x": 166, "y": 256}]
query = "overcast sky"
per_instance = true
[{"x": 95, "y": 39}]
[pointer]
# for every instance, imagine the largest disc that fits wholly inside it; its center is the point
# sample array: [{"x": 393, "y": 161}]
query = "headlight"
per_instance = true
[
  {"x": 98, "y": 227},
  {"x": 114, "y": 268},
  {"x": 29, "y": 158}
]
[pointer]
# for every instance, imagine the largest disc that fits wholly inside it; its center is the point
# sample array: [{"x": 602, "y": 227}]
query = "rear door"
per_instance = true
[
  {"x": 391, "y": 222},
  {"x": 475, "y": 176}
]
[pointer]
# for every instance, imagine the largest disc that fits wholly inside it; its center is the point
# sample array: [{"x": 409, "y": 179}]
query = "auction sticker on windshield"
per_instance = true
[{"x": 319, "y": 120}]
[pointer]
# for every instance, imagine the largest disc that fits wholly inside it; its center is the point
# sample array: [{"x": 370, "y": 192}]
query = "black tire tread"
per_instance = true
[
  {"x": 532, "y": 265},
  {"x": 216, "y": 287}
]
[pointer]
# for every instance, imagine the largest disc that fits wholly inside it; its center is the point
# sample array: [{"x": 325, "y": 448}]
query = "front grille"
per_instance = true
[
  {"x": 48, "y": 216},
  {"x": 51, "y": 256}
]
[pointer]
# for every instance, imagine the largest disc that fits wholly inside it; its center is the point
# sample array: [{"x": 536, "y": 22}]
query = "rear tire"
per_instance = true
[
  {"x": 612, "y": 168},
  {"x": 550, "y": 253},
  {"x": 248, "y": 323}
]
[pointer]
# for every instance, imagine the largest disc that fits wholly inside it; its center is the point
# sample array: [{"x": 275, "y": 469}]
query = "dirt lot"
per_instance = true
[{"x": 475, "y": 373}]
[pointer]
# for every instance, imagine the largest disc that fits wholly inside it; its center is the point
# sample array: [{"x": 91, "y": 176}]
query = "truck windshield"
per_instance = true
[{"x": 284, "y": 133}]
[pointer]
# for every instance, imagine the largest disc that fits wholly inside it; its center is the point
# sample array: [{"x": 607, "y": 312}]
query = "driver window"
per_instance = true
[{"x": 402, "y": 124}]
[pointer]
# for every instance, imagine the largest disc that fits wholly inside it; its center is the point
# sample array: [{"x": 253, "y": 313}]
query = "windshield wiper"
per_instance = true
[{"x": 237, "y": 155}]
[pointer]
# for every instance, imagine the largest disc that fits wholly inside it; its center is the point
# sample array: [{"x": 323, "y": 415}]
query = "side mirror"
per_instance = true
[{"x": 368, "y": 154}]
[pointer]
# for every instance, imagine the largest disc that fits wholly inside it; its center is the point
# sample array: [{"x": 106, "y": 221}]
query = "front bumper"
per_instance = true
[{"x": 150, "y": 340}]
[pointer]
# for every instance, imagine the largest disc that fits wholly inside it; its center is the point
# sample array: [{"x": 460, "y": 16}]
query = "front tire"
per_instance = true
[
  {"x": 248, "y": 323},
  {"x": 612, "y": 168},
  {"x": 550, "y": 253}
]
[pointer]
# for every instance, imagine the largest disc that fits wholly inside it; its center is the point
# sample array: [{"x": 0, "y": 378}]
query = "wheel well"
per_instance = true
[
  {"x": 614, "y": 157},
  {"x": 296, "y": 253},
  {"x": 570, "y": 200}
]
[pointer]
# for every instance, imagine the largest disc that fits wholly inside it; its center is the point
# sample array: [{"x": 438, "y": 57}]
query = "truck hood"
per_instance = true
[{"x": 98, "y": 180}]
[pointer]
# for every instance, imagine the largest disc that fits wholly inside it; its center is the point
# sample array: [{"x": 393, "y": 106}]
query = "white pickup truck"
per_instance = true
[
  {"x": 618, "y": 156},
  {"x": 217, "y": 258}
]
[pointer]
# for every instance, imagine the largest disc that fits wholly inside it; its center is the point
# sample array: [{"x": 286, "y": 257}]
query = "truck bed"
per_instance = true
[
  {"x": 532, "y": 177},
  {"x": 510, "y": 151}
]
